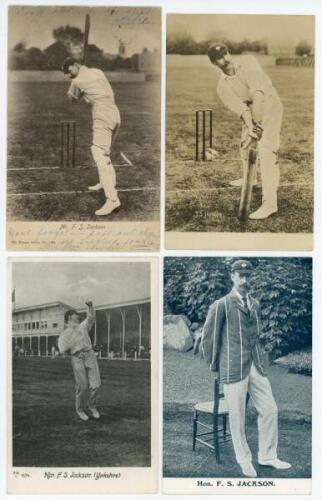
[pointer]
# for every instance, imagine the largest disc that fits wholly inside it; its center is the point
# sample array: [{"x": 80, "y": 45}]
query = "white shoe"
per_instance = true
[
  {"x": 239, "y": 182},
  {"x": 82, "y": 415},
  {"x": 97, "y": 187},
  {"x": 276, "y": 463},
  {"x": 264, "y": 211},
  {"x": 108, "y": 207},
  {"x": 94, "y": 412},
  {"x": 248, "y": 469}
]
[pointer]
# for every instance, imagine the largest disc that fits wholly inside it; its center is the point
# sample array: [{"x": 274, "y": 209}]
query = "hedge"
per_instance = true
[{"x": 283, "y": 287}]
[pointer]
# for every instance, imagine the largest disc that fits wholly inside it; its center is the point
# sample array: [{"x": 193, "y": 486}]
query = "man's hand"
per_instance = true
[
  {"x": 257, "y": 131},
  {"x": 216, "y": 375},
  {"x": 89, "y": 303}
]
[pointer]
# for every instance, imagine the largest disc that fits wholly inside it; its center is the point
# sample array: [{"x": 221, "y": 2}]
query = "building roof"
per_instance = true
[
  {"x": 42, "y": 306},
  {"x": 83, "y": 309},
  {"x": 119, "y": 304}
]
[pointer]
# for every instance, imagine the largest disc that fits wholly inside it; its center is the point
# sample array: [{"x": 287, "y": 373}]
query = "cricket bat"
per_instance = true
[
  {"x": 86, "y": 35},
  {"x": 249, "y": 173}
]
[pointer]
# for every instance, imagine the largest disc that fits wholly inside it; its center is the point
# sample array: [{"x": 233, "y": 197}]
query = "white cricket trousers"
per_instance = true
[
  {"x": 87, "y": 380},
  {"x": 259, "y": 389},
  {"x": 106, "y": 125},
  {"x": 268, "y": 148}
]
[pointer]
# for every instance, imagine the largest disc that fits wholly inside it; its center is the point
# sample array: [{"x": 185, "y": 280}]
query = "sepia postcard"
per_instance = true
[
  {"x": 84, "y": 115},
  {"x": 237, "y": 375},
  {"x": 83, "y": 375},
  {"x": 239, "y": 132}
]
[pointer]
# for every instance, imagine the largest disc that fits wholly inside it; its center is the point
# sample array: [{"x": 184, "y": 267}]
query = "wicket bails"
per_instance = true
[
  {"x": 67, "y": 143},
  {"x": 203, "y": 115}
]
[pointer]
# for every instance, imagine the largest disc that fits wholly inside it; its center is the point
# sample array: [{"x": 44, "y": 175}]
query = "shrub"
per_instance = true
[{"x": 297, "y": 362}]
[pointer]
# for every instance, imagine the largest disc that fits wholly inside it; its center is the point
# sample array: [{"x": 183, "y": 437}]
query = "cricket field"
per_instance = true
[
  {"x": 198, "y": 196},
  {"x": 47, "y": 431}
]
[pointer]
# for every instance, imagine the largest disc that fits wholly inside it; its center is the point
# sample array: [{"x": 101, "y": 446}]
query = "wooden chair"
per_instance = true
[{"x": 216, "y": 433}]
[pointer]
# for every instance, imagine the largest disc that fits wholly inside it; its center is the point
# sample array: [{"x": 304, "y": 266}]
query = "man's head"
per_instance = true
[
  {"x": 241, "y": 272},
  {"x": 71, "y": 67},
  {"x": 72, "y": 317},
  {"x": 219, "y": 55}
]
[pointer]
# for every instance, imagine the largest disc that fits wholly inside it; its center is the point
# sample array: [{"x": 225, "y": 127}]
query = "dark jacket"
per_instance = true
[{"x": 230, "y": 338}]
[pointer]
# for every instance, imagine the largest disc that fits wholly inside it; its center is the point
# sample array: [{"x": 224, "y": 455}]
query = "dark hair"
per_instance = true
[
  {"x": 70, "y": 313},
  {"x": 69, "y": 61}
]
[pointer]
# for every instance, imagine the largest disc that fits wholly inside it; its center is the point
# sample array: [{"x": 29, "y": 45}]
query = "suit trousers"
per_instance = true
[
  {"x": 259, "y": 389},
  {"x": 87, "y": 380}
]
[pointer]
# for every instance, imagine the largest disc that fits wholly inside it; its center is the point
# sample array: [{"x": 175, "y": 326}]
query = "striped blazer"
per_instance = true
[{"x": 230, "y": 338}]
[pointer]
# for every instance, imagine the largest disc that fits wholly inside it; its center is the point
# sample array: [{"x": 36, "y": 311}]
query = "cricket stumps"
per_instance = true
[
  {"x": 68, "y": 143},
  {"x": 204, "y": 131}
]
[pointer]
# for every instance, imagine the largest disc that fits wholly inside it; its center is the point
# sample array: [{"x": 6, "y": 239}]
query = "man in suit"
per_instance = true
[{"x": 231, "y": 346}]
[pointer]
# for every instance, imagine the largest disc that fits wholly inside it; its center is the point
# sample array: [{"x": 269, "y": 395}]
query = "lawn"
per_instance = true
[
  {"x": 47, "y": 432},
  {"x": 35, "y": 110},
  {"x": 187, "y": 380},
  {"x": 198, "y": 197}
]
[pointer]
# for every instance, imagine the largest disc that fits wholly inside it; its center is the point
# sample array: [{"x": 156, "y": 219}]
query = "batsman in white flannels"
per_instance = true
[
  {"x": 247, "y": 91},
  {"x": 231, "y": 346},
  {"x": 92, "y": 85},
  {"x": 75, "y": 338}
]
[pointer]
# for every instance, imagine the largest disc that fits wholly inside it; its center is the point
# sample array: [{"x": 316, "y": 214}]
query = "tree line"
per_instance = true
[
  {"x": 185, "y": 44},
  {"x": 68, "y": 41}
]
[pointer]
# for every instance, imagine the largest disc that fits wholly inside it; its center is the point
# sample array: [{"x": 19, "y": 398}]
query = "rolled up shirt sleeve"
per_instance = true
[
  {"x": 230, "y": 100},
  {"x": 90, "y": 318}
]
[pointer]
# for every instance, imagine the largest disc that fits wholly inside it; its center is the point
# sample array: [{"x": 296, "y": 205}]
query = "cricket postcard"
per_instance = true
[
  {"x": 237, "y": 376},
  {"x": 84, "y": 116},
  {"x": 240, "y": 132},
  {"x": 83, "y": 375}
]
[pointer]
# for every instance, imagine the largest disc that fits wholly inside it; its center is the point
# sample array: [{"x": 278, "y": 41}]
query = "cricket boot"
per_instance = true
[
  {"x": 108, "y": 207},
  {"x": 82, "y": 415},
  {"x": 96, "y": 187},
  {"x": 276, "y": 463},
  {"x": 239, "y": 182},
  {"x": 94, "y": 413},
  {"x": 248, "y": 469},
  {"x": 264, "y": 211}
]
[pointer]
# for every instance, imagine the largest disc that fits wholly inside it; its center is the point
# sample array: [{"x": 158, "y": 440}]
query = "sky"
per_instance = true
[
  {"x": 137, "y": 27},
  {"x": 283, "y": 29},
  {"x": 73, "y": 283}
]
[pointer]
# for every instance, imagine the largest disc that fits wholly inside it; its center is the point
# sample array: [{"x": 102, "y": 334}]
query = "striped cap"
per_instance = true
[{"x": 242, "y": 266}]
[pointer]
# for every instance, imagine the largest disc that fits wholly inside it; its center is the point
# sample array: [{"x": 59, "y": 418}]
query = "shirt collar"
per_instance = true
[
  {"x": 240, "y": 297},
  {"x": 236, "y": 66}
]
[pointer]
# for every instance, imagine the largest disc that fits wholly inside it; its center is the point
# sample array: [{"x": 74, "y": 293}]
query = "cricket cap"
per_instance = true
[
  {"x": 242, "y": 266},
  {"x": 217, "y": 51}
]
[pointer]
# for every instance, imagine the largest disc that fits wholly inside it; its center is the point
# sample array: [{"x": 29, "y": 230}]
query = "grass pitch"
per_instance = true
[
  {"x": 190, "y": 205},
  {"x": 35, "y": 110},
  {"x": 48, "y": 433}
]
